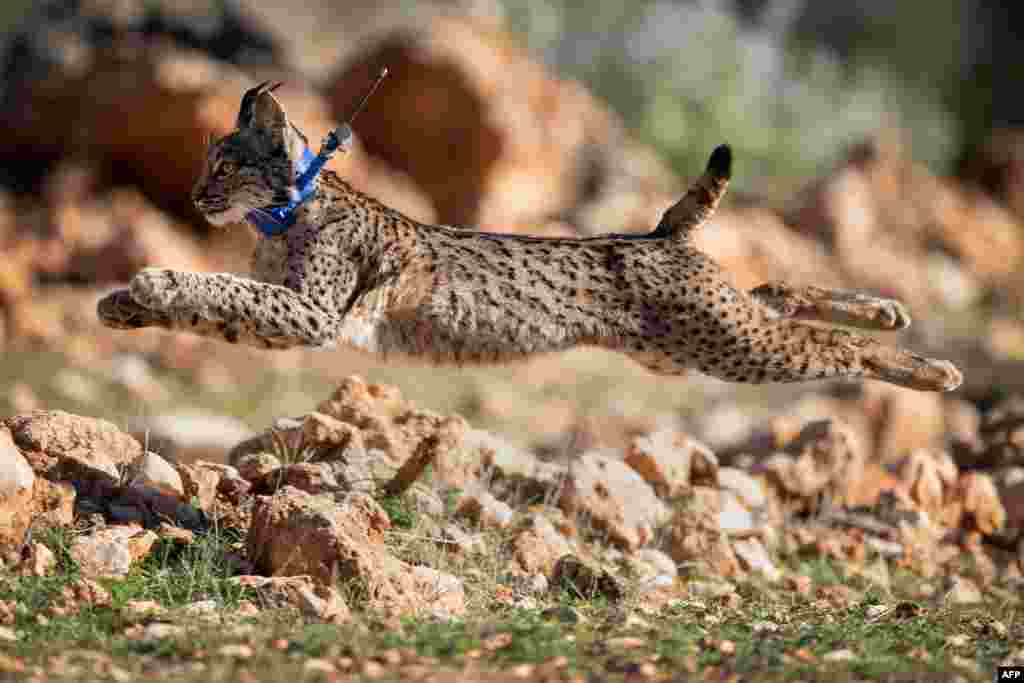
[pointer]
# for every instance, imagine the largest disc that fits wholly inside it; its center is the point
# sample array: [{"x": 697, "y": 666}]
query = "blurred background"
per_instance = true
[{"x": 879, "y": 145}]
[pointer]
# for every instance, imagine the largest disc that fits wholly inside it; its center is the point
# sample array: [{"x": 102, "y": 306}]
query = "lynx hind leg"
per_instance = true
[
  {"x": 839, "y": 306},
  {"x": 906, "y": 369}
]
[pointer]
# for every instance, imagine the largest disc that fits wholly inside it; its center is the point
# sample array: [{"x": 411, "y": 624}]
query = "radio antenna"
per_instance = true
[{"x": 369, "y": 93}]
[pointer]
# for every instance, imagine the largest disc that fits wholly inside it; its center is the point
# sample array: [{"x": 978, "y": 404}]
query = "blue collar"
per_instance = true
[{"x": 275, "y": 220}]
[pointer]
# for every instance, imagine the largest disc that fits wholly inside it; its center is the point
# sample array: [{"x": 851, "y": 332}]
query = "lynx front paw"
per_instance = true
[
  {"x": 158, "y": 289},
  {"x": 120, "y": 311},
  {"x": 889, "y": 314},
  {"x": 913, "y": 371}
]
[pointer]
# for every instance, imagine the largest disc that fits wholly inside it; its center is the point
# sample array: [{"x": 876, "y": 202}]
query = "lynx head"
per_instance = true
[{"x": 253, "y": 167}]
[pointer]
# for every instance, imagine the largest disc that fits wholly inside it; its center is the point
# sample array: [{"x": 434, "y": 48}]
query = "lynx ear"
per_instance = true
[
  {"x": 247, "y": 111},
  {"x": 268, "y": 114}
]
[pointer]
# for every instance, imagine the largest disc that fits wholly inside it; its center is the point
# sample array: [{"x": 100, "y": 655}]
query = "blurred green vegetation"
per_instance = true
[{"x": 688, "y": 75}]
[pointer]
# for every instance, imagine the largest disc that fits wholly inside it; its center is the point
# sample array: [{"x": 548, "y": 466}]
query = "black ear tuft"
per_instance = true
[
  {"x": 720, "y": 163},
  {"x": 245, "y": 111}
]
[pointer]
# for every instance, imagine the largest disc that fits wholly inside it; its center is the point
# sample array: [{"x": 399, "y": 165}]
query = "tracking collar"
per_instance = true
[{"x": 274, "y": 220}]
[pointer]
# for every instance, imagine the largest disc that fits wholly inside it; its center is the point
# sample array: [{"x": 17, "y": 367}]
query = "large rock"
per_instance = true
[
  {"x": 294, "y": 533},
  {"x": 365, "y": 432},
  {"x": 16, "y": 484},
  {"x": 82, "y": 450},
  {"x": 521, "y": 146}
]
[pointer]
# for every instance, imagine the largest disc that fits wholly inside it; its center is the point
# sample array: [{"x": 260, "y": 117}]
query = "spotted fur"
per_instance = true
[{"x": 354, "y": 272}]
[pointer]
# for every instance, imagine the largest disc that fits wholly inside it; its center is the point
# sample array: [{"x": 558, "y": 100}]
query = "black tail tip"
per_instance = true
[{"x": 720, "y": 163}]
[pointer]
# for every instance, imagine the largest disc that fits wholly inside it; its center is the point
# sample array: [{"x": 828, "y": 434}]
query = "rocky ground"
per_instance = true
[{"x": 176, "y": 507}]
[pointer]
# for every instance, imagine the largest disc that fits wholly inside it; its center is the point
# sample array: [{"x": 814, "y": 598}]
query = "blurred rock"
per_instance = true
[
  {"x": 748, "y": 490},
  {"x": 695, "y": 538},
  {"x": 881, "y": 214},
  {"x": 658, "y": 564},
  {"x": 199, "y": 483},
  {"x": 315, "y": 600},
  {"x": 537, "y": 546},
  {"x": 37, "y": 560},
  {"x": 154, "y": 472},
  {"x": 190, "y": 435},
  {"x": 110, "y": 552},
  {"x": 963, "y": 428},
  {"x": 522, "y": 146},
  {"x": 998, "y": 168},
  {"x": 753, "y": 557},
  {"x": 190, "y": 94},
  {"x": 16, "y": 484},
  {"x": 1011, "y": 496},
  {"x": 929, "y": 478},
  {"x": 1002, "y": 435},
  {"x": 825, "y": 458},
  {"x": 902, "y": 420},
  {"x": 366, "y": 432},
  {"x": 455, "y": 539},
  {"x": 312, "y": 477},
  {"x": 755, "y": 246},
  {"x": 979, "y": 500},
  {"x": 109, "y": 236},
  {"x": 443, "y": 595},
  {"x": 513, "y": 473},
  {"x": 385, "y": 421},
  {"x": 21, "y": 397},
  {"x": 583, "y": 581},
  {"x": 135, "y": 373},
  {"x": 53, "y": 503},
  {"x": 255, "y": 466},
  {"x": 735, "y": 518},
  {"x": 479, "y": 506},
  {"x": 665, "y": 459},
  {"x": 615, "y": 499},
  {"x": 429, "y": 451},
  {"x": 180, "y": 536},
  {"x": 962, "y": 591},
  {"x": 64, "y": 35}
]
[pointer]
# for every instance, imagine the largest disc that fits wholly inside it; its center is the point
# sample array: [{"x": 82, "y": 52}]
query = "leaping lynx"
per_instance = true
[{"x": 335, "y": 266}]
